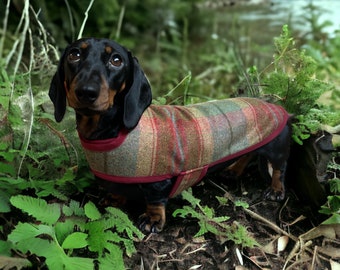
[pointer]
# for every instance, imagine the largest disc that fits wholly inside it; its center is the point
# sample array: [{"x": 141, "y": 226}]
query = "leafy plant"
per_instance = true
[
  {"x": 61, "y": 232},
  {"x": 332, "y": 206},
  {"x": 290, "y": 80},
  {"x": 208, "y": 222}
]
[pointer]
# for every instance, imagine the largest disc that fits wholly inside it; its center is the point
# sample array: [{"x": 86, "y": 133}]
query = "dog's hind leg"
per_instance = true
[
  {"x": 237, "y": 168},
  {"x": 276, "y": 153}
]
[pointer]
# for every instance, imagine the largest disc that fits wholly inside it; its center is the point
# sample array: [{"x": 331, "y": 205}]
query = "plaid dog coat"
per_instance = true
[{"x": 184, "y": 141}]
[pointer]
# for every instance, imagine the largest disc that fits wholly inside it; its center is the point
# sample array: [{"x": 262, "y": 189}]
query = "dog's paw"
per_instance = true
[
  {"x": 272, "y": 195},
  {"x": 153, "y": 220}
]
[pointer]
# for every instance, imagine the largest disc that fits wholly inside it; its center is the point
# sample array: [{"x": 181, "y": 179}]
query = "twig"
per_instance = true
[
  {"x": 30, "y": 94},
  {"x": 120, "y": 21},
  {"x": 70, "y": 17},
  {"x": 4, "y": 29},
  {"x": 85, "y": 19}
]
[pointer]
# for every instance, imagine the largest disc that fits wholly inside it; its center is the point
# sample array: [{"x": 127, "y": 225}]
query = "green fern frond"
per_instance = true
[
  {"x": 112, "y": 259},
  {"x": 73, "y": 208},
  {"x": 97, "y": 238},
  {"x": 123, "y": 223},
  {"x": 23, "y": 232},
  {"x": 38, "y": 208}
]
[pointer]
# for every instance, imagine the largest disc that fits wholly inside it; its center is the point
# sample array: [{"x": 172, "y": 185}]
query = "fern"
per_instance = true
[
  {"x": 38, "y": 208},
  {"x": 208, "y": 222},
  {"x": 41, "y": 240},
  {"x": 292, "y": 83},
  {"x": 56, "y": 239},
  {"x": 122, "y": 223},
  {"x": 239, "y": 235},
  {"x": 100, "y": 235}
]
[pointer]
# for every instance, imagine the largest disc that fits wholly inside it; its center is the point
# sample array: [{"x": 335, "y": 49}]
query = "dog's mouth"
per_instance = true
[{"x": 89, "y": 112}]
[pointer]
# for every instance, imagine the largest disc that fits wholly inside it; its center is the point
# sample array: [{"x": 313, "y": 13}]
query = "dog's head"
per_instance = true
[{"x": 95, "y": 74}]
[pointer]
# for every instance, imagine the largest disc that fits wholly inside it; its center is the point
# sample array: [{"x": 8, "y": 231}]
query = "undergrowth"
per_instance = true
[
  {"x": 291, "y": 81},
  {"x": 209, "y": 223},
  {"x": 60, "y": 230},
  {"x": 42, "y": 167}
]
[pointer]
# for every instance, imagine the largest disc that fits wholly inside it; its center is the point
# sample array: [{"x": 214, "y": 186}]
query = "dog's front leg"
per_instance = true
[
  {"x": 156, "y": 196},
  {"x": 276, "y": 191}
]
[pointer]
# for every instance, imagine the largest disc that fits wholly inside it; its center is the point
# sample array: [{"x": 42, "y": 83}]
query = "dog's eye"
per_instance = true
[
  {"x": 74, "y": 55},
  {"x": 116, "y": 60}
]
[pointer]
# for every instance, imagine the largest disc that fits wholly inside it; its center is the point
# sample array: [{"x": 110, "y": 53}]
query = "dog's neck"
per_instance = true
[{"x": 99, "y": 126}]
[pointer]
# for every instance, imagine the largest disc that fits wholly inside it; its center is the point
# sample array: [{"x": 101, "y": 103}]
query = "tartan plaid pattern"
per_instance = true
[{"x": 184, "y": 141}]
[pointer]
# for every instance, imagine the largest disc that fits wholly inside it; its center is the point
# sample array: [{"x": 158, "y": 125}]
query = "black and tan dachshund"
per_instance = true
[{"x": 161, "y": 150}]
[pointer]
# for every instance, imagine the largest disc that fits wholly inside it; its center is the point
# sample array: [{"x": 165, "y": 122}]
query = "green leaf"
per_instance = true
[
  {"x": 113, "y": 259},
  {"x": 91, "y": 211},
  {"x": 333, "y": 219},
  {"x": 63, "y": 229},
  {"x": 5, "y": 248},
  {"x": 187, "y": 195},
  {"x": 73, "y": 209},
  {"x": 208, "y": 211},
  {"x": 75, "y": 240},
  {"x": 334, "y": 185},
  {"x": 97, "y": 238},
  {"x": 4, "y": 202},
  {"x": 38, "y": 208},
  {"x": 56, "y": 258},
  {"x": 122, "y": 223},
  {"x": 187, "y": 211},
  {"x": 243, "y": 204},
  {"x": 220, "y": 219},
  {"x": 222, "y": 200},
  {"x": 77, "y": 263},
  {"x": 25, "y": 231},
  {"x": 128, "y": 243}
]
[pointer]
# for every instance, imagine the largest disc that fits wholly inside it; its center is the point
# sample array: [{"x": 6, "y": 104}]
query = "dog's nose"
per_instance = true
[{"x": 87, "y": 94}]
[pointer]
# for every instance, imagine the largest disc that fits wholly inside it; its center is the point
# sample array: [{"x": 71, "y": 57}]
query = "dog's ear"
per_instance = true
[
  {"x": 138, "y": 97},
  {"x": 57, "y": 91}
]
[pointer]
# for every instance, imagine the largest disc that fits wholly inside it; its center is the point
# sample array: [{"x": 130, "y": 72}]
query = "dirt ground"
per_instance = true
[{"x": 289, "y": 222}]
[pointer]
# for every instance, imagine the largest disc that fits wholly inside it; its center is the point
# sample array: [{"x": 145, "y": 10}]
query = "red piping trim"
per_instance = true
[{"x": 104, "y": 145}]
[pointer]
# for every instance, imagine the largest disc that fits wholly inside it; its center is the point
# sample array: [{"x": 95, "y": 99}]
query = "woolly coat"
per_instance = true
[{"x": 184, "y": 141}]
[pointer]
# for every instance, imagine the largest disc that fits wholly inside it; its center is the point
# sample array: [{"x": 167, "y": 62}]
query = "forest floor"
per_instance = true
[{"x": 293, "y": 223}]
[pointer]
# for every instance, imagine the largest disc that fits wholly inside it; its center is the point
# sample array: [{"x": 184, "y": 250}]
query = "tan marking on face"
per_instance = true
[
  {"x": 103, "y": 100},
  {"x": 84, "y": 45},
  {"x": 108, "y": 49},
  {"x": 86, "y": 125},
  {"x": 71, "y": 96},
  {"x": 112, "y": 94},
  {"x": 122, "y": 87}
]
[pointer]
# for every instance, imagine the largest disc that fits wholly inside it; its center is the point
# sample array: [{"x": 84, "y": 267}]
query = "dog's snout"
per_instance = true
[{"x": 87, "y": 94}]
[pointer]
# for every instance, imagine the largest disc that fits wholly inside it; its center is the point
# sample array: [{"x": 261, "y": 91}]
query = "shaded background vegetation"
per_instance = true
[{"x": 218, "y": 48}]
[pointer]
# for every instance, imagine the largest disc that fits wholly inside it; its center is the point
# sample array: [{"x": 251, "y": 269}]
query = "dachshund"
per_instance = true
[{"x": 160, "y": 149}]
